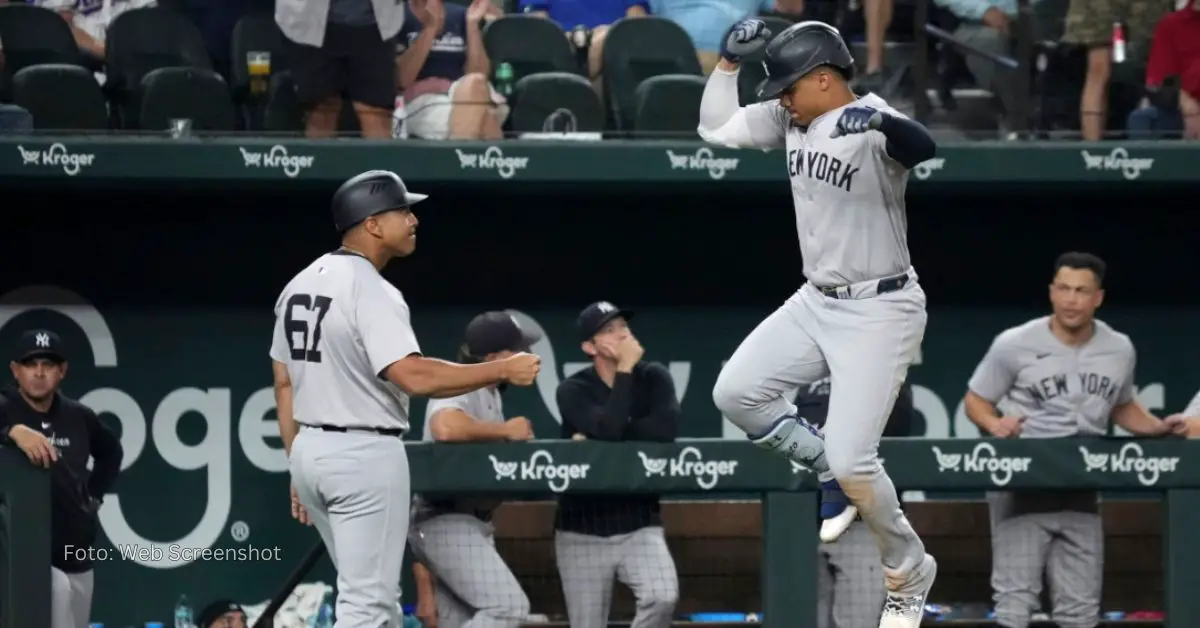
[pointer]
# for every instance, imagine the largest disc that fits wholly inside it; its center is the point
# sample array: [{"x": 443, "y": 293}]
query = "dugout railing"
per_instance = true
[{"x": 714, "y": 469}]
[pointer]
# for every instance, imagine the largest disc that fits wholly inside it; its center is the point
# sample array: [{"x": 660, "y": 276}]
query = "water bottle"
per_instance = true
[
  {"x": 324, "y": 616},
  {"x": 183, "y": 613},
  {"x": 504, "y": 79}
]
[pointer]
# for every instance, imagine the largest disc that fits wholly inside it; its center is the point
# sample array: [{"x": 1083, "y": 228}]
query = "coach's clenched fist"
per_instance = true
[
  {"x": 744, "y": 39},
  {"x": 522, "y": 368}
]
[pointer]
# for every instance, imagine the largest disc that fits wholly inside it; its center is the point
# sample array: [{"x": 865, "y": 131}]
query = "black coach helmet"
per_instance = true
[
  {"x": 370, "y": 193},
  {"x": 800, "y": 49}
]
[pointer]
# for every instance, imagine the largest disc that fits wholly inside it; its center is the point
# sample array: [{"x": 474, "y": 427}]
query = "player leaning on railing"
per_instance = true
[{"x": 1062, "y": 375}]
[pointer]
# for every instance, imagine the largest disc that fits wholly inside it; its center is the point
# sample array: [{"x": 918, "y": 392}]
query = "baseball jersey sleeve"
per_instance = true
[
  {"x": 995, "y": 374},
  {"x": 461, "y": 402},
  {"x": 724, "y": 122},
  {"x": 384, "y": 325},
  {"x": 280, "y": 348},
  {"x": 1127, "y": 392}
]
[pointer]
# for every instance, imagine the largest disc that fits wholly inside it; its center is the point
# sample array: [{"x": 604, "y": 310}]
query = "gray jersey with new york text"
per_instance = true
[
  {"x": 848, "y": 194},
  {"x": 1060, "y": 390},
  {"x": 338, "y": 325}
]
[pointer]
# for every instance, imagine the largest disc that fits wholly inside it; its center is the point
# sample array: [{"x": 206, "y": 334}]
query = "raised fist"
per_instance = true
[{"x": 744, "y": 38}]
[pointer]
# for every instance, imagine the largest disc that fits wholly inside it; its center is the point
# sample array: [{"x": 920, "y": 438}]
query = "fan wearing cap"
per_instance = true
[
  {"x": 346, "y": 362},
  {"x": 61, "y": 434},
  {"x": 601, "y": 537},
  {"x": 461, "y": 579},
  {"x": 222, "y": 614}
]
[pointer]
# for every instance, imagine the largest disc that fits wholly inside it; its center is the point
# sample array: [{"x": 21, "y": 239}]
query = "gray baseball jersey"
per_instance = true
[
  {"x": 483, "y": 404},
  {"x": 338, "y": 325},
  {"x": 848, "y": 193},
  {"x": 1059, "y": 390}
]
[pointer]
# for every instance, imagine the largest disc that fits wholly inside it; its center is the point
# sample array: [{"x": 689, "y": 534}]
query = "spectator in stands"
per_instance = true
[
  {"x": 877, "y": 17},
  {"x": 987, "y": 25},
  {"x": 343, "y": 48},
  {"x": 594, "y": 16},
  {"x": 222, "y": 614},
  {"x": 89, "y": 20},
  {"x": 1174, "y": 66},
  {"x": 215, "y": 19},
  {"x": 443, "y": 71},
  {"x": 601, "y": 537},
  {"x": 1090, "y": 24},
  {"x": 707, "y": 21}
]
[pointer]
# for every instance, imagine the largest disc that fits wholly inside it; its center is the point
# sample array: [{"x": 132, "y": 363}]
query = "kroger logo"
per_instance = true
[
  {"x": 56, "y": 156},
  {"x": 277, "y": 158},
  {"x": 540, "y": 467},
  {"x": 690, "y": 463},
  {"x": 982, "y": 459},
  {"x": 703, "y": 159},
  {"x": 492, "y": 159},
  {"x": 1131, "y": 458}
]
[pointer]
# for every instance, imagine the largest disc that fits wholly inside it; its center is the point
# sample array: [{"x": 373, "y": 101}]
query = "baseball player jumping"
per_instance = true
[
  {"x": 345, "y": 360},
  {"x": 1056, "y": 376},
  {"x": 861, "y": 316}
]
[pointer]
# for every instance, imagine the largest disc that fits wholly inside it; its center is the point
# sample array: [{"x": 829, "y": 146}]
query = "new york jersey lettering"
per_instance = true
[{"x": 823, "y": 168}]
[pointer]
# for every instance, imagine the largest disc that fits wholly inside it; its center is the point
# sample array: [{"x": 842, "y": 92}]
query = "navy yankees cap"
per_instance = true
[
  {"x": 211, "y": 613},
  {"x": 595, "y": 316},
  {"x": 39, "y": 343},
  {"x": 496, "y": 331}
]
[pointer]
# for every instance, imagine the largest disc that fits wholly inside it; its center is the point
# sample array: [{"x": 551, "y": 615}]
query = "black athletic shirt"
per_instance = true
[
  {"x": 640, "y": 406},
  {"x": 78, "y": 435}
]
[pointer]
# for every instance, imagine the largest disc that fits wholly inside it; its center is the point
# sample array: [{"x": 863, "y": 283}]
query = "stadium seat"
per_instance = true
[
  {"x": 196, "y": 94},
  {"x": 255, "y": 33},
  {"x": 554, "y": 102},
  {"x": 283, "y": 113},
  {"x": 141, "y": 41},
  {"x": 752, "y": 72},
  {"x": 668, "y": 105},
  {"x": 61, "y": 97},
  {"x": 530, "y": 44},
  {"x": 33, "y": 35},
  {"x": 641, "y": 48}
]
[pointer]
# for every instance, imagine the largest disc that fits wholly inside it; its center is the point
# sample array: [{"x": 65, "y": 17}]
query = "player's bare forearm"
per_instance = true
[
  {"x": 908, "y": 141},
  {"x": 1135, "y": 418},
  {"x": 424, "y": 580},
  {"x": 455, "y": 426},
  {"x": 431, "y": 377},
  {"x": 980, "y": 411},
  {"x": 282, "y": 384}
]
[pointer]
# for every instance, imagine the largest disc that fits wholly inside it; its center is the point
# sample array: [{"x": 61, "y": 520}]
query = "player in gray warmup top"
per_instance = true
[
  {"x": 1056, "y": 376},
  {"x": 345, "y": 360},
  {"x": 861, "y": 315},
  {"x": 461, "y": 580}
]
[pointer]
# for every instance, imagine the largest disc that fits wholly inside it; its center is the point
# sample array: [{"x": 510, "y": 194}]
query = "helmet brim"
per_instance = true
[
  {"x": 412, "y": 198},
  {"x": 771, "y": 88}
]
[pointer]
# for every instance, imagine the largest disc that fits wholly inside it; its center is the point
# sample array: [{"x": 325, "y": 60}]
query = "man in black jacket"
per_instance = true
[
  {"x": 60, "y": 434},
  {"x": 601, "y": 537}
]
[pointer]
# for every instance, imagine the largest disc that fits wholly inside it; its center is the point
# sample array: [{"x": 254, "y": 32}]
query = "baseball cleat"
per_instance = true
[
  {"x": 837, "y": 513},
  {"x": 905, "y": 604}
]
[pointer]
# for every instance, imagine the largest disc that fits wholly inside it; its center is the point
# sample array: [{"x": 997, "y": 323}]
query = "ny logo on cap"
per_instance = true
[
  {"x": 42, "y": 340},
  {"x": 606, "y": 307}
]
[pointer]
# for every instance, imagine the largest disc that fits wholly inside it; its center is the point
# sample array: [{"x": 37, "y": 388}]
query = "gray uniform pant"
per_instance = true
[
  {"x": 474, "y": 586},
  {"x": 1067, "y": 547},
  {"x": 587, "y": 565},
  {"x": 355, "y": 487},
  {"x": 850, "y": 581},
  {"x": 70, "y": 598},
  {"x": 865, "y": 343}
]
